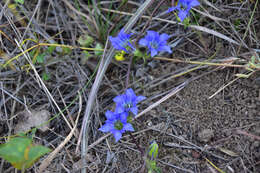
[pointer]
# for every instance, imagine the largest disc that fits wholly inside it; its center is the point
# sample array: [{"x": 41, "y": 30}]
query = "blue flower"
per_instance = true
[
  {"x": 155, "y": 42},
  {"x": 184, "y": 7},
  {"x": 128, "y": 102},
  {"x": 122, "y": 41},
  {"x": 117, "y": 124}
]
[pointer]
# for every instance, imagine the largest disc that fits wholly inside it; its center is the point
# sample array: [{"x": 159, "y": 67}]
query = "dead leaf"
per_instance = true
[
  {"x": 228, "y": 152},
  {"x": 27, "y": 120}
]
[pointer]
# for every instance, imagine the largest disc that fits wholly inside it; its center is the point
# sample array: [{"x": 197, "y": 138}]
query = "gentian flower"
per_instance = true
[
  {"x": 117, "y": 124},
  {"x": 122, "y": 41},
  {"x": 184, "y": 7},
  {"x": 155, "y": 42},
  {"x": 128, "y": 102}
]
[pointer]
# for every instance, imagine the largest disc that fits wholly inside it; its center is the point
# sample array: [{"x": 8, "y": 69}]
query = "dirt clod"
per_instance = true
[{"x": 29, "y": 119}]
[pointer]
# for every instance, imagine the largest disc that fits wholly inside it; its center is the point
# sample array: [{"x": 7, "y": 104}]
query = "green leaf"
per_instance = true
[
  {"x": 98, "y": 52},
  {"x": 51, "y": 49},
  {"x": 153, "y": 150},
  {"x": 46, "y": 76},
  {"x": 19, "y": 1},
  {"x": 66, "y": 50},
  {"x": 21, "y": 153},
  {"x": 138, "y": 53},
  {"x": 186, "y": 22},
  {"x": 151, "y": 166},
  {"x": 40, "y": 58},
  {"x": 35, "y": 152},
  {"x": 85, "y": 40}
]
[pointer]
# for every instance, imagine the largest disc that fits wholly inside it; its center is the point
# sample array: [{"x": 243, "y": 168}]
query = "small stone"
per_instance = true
[
  {"x": 257, "y": 130},
  {"x": 205, "y": 135},
  {"x": 152, "y": 64},
  {"x": 256, "y": 144},
  {"x": 139, "y": 72}
]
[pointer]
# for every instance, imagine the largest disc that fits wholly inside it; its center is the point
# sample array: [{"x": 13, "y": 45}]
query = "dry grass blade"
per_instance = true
[
  {"x": 218, "y": 169},
  {"x": 52, "y": 155},
  {"x": 172, "y": 93},
  {"x": 211, "y": 5},
  {"x": 210, "y": 31},
  {"x": 223, "y": 87}
]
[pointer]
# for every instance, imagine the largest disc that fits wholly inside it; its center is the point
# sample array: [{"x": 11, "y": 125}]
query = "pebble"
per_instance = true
[{"x": 205, "y": 135}]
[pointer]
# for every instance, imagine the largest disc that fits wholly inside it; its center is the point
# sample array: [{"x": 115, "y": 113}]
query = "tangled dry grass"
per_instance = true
[{"x": 203, "y": 115}]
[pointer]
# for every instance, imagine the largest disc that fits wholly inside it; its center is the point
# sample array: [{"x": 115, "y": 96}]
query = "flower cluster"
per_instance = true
[
  {"x": 153, "y": 41},
  {"x": 118, "y": 122},
  {"x": 184, "y": 6}
]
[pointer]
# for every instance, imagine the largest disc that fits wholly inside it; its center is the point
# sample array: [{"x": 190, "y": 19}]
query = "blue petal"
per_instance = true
[
  {"x": 134, "y": 110},
  {"x": 119, "y": 108},
  {"x": 119, "y": 99},
  {"x": 143, "y": 42},
  {"x": 109, "y": 115},
  {"x": 164, "y": 37},
  {"x": 153, "y": 35},
  {"x": 117, "y": 134},
  {"x": 123, "y": 117},
  {"x": 122, "y": 32},
  {"x": 128, "y": 127},
  {"x": 130, "y": 93},
  {"x": 121, "y": 41},
  {"x": 194, "y": 3},
  {"x": 165, "y": 48},
  {"x": 140, "y": 98},
  {"x": 183, "y": 14},
  {"x": 171, "y": 9},
  {"x": 153, "y": 52},
  {"x": 106, "y": 127}
]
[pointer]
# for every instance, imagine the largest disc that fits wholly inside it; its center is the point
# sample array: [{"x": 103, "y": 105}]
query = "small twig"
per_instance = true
[
  {"x": 137, "y": 145},
  {"x": 151, "y": 16},
  {"x": 176, "y": 167},
  {"x": 200, "y": 63},
  {"x": 128, "y": 72},
  {"x": 242, "y": 132}
]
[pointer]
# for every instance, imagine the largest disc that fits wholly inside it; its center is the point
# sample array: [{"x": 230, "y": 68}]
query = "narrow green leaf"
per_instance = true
[
  {"x": 98, "y": 52},
  {"x": 153, "y": 150},
  {"x": 51, "y": 49},
  {"x": 46, "y": 76},
  {"x": 19, "y": 1},
  {"x": 66, "y": 50}
]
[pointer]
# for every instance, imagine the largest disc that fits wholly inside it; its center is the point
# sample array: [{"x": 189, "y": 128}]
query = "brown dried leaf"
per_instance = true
[{"x": 228, "y": 152}]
